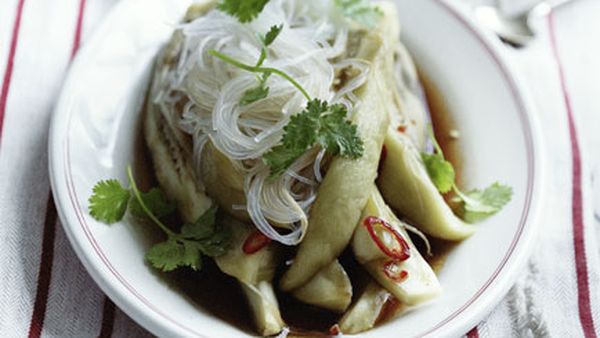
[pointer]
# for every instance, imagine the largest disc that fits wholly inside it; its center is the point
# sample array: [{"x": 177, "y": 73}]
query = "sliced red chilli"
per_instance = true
[
  {"x": 400, "y": 252},
  {"x": 255, "y": 242},
  {"x": 393, "y": 272}
]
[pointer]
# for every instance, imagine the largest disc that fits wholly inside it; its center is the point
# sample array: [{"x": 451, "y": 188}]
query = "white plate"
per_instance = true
[{"x": 96, "y": 121}]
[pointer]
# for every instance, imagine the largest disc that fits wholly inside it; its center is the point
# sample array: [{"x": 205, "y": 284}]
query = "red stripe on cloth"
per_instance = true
[
  {"x": 46, "y": 262},
  {"x": 45, "y": 271},
  {"x": 583, "y": 289},
  {"x": 78, "y": 28},
  {"x": 474, "y": 333},
  {"x": 10, "y": 63},
  {"x": 108, "y": 319}
]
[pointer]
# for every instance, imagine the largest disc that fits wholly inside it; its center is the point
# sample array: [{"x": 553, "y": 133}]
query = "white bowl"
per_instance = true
[{"x": 96, "y": 123}]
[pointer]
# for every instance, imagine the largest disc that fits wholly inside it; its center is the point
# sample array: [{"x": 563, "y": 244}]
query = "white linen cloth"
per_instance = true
[{"x": 46, "y": 292}]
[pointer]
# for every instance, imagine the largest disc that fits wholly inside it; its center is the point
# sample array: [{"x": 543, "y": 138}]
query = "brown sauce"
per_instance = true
[
  {"x": 219, "y": 295},
  {"x": 443, "y": 123}
]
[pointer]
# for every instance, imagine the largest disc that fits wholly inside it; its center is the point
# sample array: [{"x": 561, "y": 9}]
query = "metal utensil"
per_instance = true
[{"x": 515, "y": 30}]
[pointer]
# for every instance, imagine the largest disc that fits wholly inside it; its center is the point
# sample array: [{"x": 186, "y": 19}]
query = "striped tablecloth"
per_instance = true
[{"x": 45, "y": 291}]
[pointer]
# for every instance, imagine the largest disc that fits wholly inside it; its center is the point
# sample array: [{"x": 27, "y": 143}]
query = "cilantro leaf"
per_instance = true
[
  {"x": 108, "y": 202},
  {"x": 172, "y": 254},
  {"x": 186, "y": 249},
  {"x": 479, "y": 205},
  {"x": 261, "y": 90},
  {"x": 320, "y": 124},
  {"x": 280, "y": 158},
  {"x": 476, "y": 204},
  {"x": 271, "y": 35},
  {"x": 191, "y": 255},
  {"x": 156, "y": 201},
  {"x": 217, "y": 244},
  {"x": 243, "y": 10},
  {"x": 203, "y": 228},
  {"x": 166, "y": 256},
  {"x": 339, "y": 135},
  {"x": 257, "y": 93},
  {"x": 360, "y": 11},
  {"x": 211, "y": 240},
  {"x": 440, "y": 171}
]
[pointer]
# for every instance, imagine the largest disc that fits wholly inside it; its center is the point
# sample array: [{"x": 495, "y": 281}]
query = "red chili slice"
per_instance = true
[
  {"x": 395, "y": 254},
  {"x": 335, "y": 330},
  {"x": 255, "y": 242},
  {"x": 392, "y": 271}
]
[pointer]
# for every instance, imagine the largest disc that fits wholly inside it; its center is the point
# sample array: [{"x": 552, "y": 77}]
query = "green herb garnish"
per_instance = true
[
  {"x": 477, "y": 205},
  {"x": 243, "y": 10},
  {"x": 322, "y": 124},
  {"x": 361, "y": 11},
  {"x": 110, "y": 201},
  {"x": 319, "y": 123},
  {"x": 261, "y": 90},
  {"x": 156, "y": 200}
]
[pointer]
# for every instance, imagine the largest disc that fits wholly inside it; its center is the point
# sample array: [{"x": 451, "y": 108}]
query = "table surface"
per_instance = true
[{"x": 46, "y": 291}]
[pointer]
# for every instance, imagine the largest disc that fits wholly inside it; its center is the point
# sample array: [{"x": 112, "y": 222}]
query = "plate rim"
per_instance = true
[{"x": 495, "y": 288}]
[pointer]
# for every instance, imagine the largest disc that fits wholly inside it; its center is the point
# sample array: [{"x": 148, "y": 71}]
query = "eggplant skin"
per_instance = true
[{"x": 171, "y": 156}]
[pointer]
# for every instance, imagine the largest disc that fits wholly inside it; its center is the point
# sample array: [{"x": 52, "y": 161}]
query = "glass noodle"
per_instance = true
[{"x": 311, "y": 49}]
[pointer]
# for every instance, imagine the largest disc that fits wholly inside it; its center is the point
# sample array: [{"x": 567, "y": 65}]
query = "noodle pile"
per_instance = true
[{"x": 200, "y": 95}]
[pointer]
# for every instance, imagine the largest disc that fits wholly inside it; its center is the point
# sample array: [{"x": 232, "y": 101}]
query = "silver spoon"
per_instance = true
[{"x": 515, "y": 30}]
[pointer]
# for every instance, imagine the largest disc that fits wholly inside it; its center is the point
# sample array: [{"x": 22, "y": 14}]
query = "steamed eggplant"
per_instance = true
[
  {"x": 408, "y": 189},
  {"x": 171, "y": 154},
  {"x": 255, "y": 273},
  {"x": 223, "y": 181},
  {"x": 403, "y": 179},
  {"x": 347, "y": 184},
  {"x": 408, "y": 115},
  {"x": 408, "y": 278},
  {"x": 365, "y": 311},
  {"x": 329, "y": 289}
]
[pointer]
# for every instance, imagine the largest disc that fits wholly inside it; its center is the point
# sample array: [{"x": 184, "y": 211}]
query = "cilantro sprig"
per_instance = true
[
  {"x": 481, "y": 204},
  {"x": 361, "y": 11},
  {"x": 110, "y": 201},
  {"x": 261, "y": 90},
  {"x": 320, "y": 123},
  {"x": 259, "y": 70},
  {"x": 243, "y": 10},
  {"x": 477, "y": 204}
]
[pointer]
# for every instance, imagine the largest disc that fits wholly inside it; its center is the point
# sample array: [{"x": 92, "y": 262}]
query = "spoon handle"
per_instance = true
[
  {"x": 545, "y": 7},
  {"x": 552, "y": 4}
]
